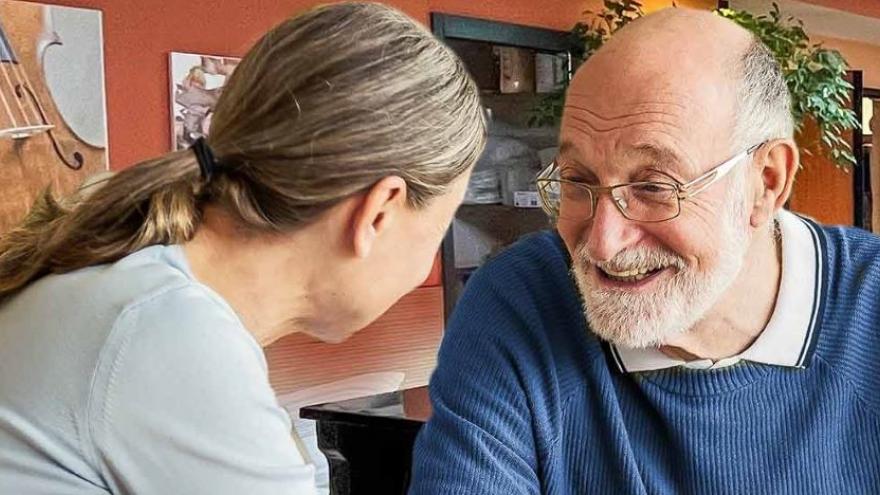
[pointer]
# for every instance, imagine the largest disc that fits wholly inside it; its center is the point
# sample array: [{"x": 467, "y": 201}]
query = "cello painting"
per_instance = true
[{"x": 53, "y": 131}]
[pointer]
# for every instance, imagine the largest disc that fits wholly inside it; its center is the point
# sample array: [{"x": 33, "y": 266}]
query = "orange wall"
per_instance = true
[
  {"x": 870, "y": 8},
  {"x": 652, "y": 5},
  {"x": 138, "y": 34}
]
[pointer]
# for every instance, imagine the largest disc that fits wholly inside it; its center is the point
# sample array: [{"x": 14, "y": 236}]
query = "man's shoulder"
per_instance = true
[
  {"x": 851, "y": 265},
  {"x": 849, "y": 338},
  {"x": 530, "y": 278},
  {"x": 525, "y": 301},
  {"x": 851, "y": 247},
  {"x": 538, "y": 256},
  {"x": 845, "y": 242}
]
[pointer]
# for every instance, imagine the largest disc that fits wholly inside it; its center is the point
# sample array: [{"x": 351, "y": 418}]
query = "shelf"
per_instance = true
[{"x": 482, "y": 231}]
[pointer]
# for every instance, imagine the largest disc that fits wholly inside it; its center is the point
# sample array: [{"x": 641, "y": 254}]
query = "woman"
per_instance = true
[{"x": 132, "y": 318}]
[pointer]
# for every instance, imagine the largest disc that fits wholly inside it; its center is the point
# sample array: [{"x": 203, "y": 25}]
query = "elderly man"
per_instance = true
[{"x": 681, "y": 333}]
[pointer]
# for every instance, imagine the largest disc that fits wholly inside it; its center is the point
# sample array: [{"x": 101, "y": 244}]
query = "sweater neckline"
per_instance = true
[{"x": 694, "y": 382}]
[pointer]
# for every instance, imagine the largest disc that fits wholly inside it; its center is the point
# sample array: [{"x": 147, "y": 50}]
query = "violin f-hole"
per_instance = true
[{"x": 77, "y": 158}]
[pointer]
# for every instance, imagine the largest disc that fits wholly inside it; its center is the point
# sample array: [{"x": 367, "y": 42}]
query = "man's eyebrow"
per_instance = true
[
  {"x": 563, "y": 156},
  {"x": 664, "y": 160},
  {"x": 565, "y": 147},
  {"x": 660, "y": 155}
]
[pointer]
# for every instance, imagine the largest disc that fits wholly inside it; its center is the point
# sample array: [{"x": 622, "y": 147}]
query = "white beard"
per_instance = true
[{"x": 640, "y": 320}]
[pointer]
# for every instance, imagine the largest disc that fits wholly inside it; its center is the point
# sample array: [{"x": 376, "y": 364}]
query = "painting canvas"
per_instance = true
[
  {"x": 196, "y": 84},
  {"x": 53, "y": 126}
]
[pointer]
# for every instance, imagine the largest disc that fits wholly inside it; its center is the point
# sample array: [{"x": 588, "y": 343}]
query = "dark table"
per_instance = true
[{"x": 368, "y": 442}]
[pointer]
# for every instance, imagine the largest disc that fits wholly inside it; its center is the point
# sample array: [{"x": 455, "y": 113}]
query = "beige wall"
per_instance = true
[{"x": 861, "y": 56}]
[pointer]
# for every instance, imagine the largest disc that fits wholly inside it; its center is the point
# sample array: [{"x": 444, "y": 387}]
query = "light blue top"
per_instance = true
[{"x": 133, "y": 377}]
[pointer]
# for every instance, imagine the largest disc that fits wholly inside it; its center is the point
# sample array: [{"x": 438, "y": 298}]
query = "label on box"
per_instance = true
[{"x": 526, "y": 199}]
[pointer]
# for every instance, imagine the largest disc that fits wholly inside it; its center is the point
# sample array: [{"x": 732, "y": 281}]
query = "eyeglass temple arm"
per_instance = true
[
  {"x": 546, "y": 173},
  {"x": 701, "y": 183}
]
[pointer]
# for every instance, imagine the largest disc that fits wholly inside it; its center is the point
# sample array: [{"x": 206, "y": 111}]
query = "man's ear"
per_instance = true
[
  {"x": 376, "y": 210},
  {"x": 777, "y": 162}
]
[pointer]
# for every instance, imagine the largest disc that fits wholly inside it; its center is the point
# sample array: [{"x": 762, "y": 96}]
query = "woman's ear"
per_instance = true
[{"x": 376, "y": 211}]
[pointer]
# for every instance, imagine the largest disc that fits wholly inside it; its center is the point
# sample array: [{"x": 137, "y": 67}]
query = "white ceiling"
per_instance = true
[{"x": 820, "y": 20}]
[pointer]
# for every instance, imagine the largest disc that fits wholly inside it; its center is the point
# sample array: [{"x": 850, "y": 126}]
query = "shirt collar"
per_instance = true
[{"x": 789, "y": 337}]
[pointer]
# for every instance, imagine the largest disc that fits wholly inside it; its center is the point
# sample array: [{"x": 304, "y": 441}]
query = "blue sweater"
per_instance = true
[{"x": 526, "y": 400}]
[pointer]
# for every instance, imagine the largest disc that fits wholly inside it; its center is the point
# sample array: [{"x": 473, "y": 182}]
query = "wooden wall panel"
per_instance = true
[
  {"x": 435, "y": 278},
  {"x": 821, "y": 190},
  {"x": 404, "y": 339}
]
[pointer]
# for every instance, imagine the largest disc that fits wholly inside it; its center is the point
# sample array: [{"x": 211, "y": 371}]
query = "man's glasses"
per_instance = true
[{"x": 648, "y": 201}]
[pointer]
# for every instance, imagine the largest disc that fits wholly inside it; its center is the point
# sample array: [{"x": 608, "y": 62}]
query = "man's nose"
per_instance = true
[{"x": 609, "y": 232}]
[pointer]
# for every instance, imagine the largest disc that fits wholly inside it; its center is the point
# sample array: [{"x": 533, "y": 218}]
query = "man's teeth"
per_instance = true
[{"x": 633, "y": 275}]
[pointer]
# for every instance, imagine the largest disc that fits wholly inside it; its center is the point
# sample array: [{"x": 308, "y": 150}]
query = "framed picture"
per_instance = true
[
  {"x": 53, "y": 125},
  {"x": 196, "y": 83}
]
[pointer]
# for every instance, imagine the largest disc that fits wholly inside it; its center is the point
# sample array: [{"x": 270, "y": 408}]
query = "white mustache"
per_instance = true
[{"x": 635, "y": 258}]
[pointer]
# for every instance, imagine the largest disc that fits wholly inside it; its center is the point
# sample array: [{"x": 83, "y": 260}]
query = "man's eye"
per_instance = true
[{"x": 655, "y": 176}]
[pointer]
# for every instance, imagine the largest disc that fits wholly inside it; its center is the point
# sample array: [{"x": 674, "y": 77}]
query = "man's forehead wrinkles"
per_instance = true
[{"x": 594, "y": 101}]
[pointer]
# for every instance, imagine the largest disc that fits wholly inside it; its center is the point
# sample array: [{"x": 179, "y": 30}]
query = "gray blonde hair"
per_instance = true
[
  {"x": 323, "y": 106},
  {"x": 763, "y": 100}
]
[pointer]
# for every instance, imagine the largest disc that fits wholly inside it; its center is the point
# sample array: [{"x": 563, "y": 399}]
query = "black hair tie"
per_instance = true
[{"x": 205, "y": 157}]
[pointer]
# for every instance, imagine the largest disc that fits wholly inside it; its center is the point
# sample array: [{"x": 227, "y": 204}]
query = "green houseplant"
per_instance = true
[{"x": 816, "y": 76}]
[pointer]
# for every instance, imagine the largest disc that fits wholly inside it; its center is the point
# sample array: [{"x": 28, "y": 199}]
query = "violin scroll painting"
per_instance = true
[{"x": 53, "y": 131}]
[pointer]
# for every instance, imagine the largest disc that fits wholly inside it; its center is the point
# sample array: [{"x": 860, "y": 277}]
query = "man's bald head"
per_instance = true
[
  {"x": 675, "y": 42},
  {"x": 711, "y": 62}
]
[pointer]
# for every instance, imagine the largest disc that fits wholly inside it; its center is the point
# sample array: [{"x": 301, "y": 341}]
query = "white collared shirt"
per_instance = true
[{"x": 789, "y": 335}]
